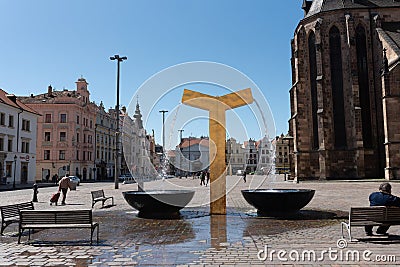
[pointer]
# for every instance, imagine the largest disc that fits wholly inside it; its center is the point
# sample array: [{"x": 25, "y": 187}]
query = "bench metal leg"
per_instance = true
[
  {"x": 91, "y": 234},
  {"x": 348, "y": 228},
  {"x": 19, "y": 237}
]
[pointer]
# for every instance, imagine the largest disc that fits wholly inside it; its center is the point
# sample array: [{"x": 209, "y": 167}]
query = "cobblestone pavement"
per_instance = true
[{"x": 240, "y": 238}]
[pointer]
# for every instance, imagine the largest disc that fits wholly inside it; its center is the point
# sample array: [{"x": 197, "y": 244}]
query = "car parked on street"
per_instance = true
[{"x": 75, "y": 179}]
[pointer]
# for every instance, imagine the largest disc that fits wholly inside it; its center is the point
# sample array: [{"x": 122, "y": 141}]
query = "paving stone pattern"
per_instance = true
[{"x": 240, "y": 238}]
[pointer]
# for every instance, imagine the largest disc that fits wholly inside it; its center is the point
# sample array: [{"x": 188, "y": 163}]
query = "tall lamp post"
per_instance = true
[
  {"x": 15, "y": 169},
  {"x": 117, "y": 134},
  {"x": 180, "y": 156},
  {"x": 163, "y": 135}
]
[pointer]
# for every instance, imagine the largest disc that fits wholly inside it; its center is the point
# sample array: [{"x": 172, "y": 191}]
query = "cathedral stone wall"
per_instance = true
[{"x": 358, "y": 157}]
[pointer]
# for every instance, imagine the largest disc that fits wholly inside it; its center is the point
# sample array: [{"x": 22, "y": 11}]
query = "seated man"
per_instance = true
[{"x": 382, "y": 198}]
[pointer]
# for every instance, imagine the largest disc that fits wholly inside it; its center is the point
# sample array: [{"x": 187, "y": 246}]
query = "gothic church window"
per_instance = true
[
  {"x": 335, "y": 52},
  {"x": 363, "y": 83},
  {"x": 312, "y": 58}
]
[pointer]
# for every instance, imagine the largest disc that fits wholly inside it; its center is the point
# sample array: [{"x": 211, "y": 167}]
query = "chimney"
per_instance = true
[
  {"x": 49, "y": 90},
  {"x": 13, "y": 98}
]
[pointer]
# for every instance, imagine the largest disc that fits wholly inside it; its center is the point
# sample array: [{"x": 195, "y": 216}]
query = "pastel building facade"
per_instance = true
[
  {"x": 105, "y": 129},
  {"x": 17, "y": 140},
  {"x": 65, "y": 132}
]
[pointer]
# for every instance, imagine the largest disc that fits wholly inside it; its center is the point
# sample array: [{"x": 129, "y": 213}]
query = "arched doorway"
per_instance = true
[{"x": 84, "y": 174}]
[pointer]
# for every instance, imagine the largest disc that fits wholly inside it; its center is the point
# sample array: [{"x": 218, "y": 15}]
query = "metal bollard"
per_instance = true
[{"x": 35, "y": 193}]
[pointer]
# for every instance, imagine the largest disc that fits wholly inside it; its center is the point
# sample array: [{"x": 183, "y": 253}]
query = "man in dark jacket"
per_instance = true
[{"x": 382, "y": 198}]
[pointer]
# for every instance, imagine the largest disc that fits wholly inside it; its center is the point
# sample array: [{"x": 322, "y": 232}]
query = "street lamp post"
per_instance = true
[
  {"x": 189, "y": 156},
  {"x": 117, "y": 134},
  {"x": 180, "y": 156},
  {"x": 15, "y": 169},
  {"x": 163, "y": 136}
]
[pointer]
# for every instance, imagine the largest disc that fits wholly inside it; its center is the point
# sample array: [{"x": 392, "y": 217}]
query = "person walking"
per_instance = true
[
  {"x": 203, "y": 178},
  {"x": 63, "y": 186},
  {"x": 244, "y": 176},
  {"x": 207, "y": 177}
]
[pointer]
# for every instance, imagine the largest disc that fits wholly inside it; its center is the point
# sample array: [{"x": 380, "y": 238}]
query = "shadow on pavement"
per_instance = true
[
  {"x": 382, "y": 240},
  {"x": 303, "y": 215}
]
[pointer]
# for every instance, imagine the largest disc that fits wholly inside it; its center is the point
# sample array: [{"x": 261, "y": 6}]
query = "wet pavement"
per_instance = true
[{"x": 198, "y": 239}]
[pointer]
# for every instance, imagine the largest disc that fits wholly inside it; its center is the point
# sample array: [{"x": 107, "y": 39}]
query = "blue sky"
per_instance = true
[{"x": 55, "y": 42}]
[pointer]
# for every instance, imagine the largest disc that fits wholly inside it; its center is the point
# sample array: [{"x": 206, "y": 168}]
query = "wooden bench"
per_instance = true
[
  {"x": 61, "y": 219},
  {"x": 98, "y": 195},
  {"x": 10, "y": 213},
  {"x": 371, "y": 216}
]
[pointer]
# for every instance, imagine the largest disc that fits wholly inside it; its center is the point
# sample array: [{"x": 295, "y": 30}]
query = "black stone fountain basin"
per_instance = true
[
  {"x": 278, "y": 201},
  {"x": 158, "y": 203}
]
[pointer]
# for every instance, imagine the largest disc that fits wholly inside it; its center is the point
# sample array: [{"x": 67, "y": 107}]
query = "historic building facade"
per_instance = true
[
  {"x": 266, "y": 156},
  {"x": 192, "y": 155},
  {"x": 234, "y": 156},
  {"x": 346, "y": 90},
  {"x": 65, "y": 131},
  {"x": 17, "y": 141},
  {"x": 105, "y": 129},
  {"x": 138, "y": 147}
]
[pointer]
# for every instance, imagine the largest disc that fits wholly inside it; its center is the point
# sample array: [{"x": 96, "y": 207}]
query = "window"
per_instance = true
[
  {"x": 46, "y": 155},
  {"x": 77, "y": 119},
  {"x": 335, "y": 53},
  {"x": 10, "y": 143},
  {"x": 91, "y": 124},
  {"x": 47, "y": 118},
  {"x": 84, "y": 155},
  {"x": 63, "y": 136},
  {"x": 312, "y": 60},
  {"x": 62, "y": 155},
  {"x": 47, "y": 136},
  {"x": 25, "y": 147},
  {"x": 63, "y": 118},
  {"x": 2, "y": 119},
  {"x": 89, "y": 139},
  {"x": 77, "y": 137},
  {"x": 77, "y": 155},
  {"x": 1, "y": 144},
  {"x": 84, "y": 138},
  {"x": 26, "y": 125},
  {"x": 11, "y": 121},
  {"x": 363, "y": 82}
]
